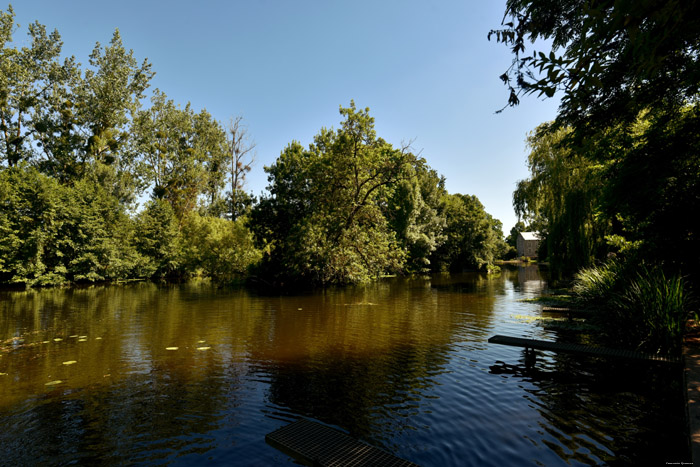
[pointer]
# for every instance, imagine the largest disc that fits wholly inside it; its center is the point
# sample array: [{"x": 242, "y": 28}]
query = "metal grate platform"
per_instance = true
[
  {"x": 579, "y": 349},
  {"x": 315, "y": 444}
]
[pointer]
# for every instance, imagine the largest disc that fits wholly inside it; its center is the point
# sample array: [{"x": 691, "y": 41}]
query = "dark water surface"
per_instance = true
[{"x": 402, "y": 364}]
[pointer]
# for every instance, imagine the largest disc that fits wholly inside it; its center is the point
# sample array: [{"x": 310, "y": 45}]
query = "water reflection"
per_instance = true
[{"x": 196, "y": 374}]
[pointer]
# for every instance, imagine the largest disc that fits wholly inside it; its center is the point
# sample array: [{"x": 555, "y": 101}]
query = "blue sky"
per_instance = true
[{"x": 425, "y": 70}]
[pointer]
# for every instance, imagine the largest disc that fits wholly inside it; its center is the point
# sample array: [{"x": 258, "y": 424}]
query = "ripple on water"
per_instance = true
[{"x": 412, "y": 373}]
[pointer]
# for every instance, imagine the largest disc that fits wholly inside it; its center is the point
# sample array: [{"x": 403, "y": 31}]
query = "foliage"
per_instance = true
[
  {"x": 413, "y": 212},
  {"x": 660, "y": 307},
  {"x": 611, "y": 60},
  {"x": 640, "y": 307},
  {"x": 79, "y": 144},
  {"x": 474, "y": 238},
  {"x": 158, "y": 239},
  {"x": 629, "y": 74},
  {"x": 323, "y": 218},
  {"x": 222, "y": 249},
  {"x": 594, "y": 285},
  {"x": 562, "y": 200},
  {"x": 183, "y": 152},
  {"x": 54, "y": 233}
]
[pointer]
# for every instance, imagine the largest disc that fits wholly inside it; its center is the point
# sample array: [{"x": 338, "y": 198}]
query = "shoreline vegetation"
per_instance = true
[{"x": 79, "y": 145}]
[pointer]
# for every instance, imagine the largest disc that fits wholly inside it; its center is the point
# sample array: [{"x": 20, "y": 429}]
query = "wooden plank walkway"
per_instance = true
[
  {"x": 579, "y": 349},
  {"x": 315, "y": 444}
]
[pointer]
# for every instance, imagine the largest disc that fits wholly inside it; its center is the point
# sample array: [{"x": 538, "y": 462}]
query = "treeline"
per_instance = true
[
  {"x": 78, "y": 147},
  {"x": 614, "y": 184}
]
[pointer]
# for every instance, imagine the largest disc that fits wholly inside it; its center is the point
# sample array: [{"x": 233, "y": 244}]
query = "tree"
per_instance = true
[
  {"x": 413, "y": 212},
  {"x": 158, "y": 239},
  {"x": 241, "y": 161},
  {"x": 562, "y": 200},
  {"x": 474, "y": 239},
  {"x": 182, "y": 152},
  {"x": 220, "y": 248},
  {"x": 611, "y": 60},
  {"x": 31, "y": 83},
  {"x": 323, "y": 219}
]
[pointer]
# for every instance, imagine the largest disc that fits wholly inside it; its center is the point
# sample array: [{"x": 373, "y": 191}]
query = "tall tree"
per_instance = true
[
  {"x": 474, "y": 239},
  {"x": 323, "y": 218},
  {"x": 31, "y": 80},
  {"x": 413, "y": 211},
  {"x": 562, "y": 200},
  {"x": 181, "y": 152},
  {"x": 241, "y": 159}
]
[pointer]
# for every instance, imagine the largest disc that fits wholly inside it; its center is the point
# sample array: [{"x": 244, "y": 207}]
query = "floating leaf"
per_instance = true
[
  {"x": 203, "y": 348},
  {"x": 172, "y": 348},
  {"x": 53, "y": 383},
  {"x": 69, "y": 362}
]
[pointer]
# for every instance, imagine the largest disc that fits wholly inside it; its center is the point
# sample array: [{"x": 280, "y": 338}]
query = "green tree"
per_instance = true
[
  {"x": 110, "y": 96},
  {"x": 219, "y": 248},
  {"x": 611, "y": 60},
  {"x": 158, "y": 239},
  {"x": 53, "y": 233},
  {"x": 561, "y": 200},
  {"x": 30, "y": 80},
  {"x": 323, "y": 218},
  {"x": 413, "y": 212},
  {"x": 474, "y": 238},
  {"x": 183, "y": 152}
]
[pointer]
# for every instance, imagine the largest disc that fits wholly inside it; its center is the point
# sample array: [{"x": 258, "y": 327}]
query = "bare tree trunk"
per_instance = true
[{"x": 241, "y": 156}]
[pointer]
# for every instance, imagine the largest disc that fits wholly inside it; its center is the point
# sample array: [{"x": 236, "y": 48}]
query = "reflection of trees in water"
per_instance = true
[
  {"x": 366, "y": 358},
  {"x": 373, "y": 397},
  {"x": 605, "y": 411}
]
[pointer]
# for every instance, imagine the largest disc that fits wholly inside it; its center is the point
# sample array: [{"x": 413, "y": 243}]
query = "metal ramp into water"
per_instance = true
[
  {"x": 579, "y": 349},
  {"x": 315, "y": 444}
]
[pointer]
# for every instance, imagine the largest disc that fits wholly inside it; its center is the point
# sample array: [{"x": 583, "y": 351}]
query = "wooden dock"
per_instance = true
[
  {"x": 579, "y": 349},
  {"x": 314, "y": 444}
]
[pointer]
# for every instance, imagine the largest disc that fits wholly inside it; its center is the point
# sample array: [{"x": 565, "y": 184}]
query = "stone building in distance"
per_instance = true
[{"x": 527, "y": 244}]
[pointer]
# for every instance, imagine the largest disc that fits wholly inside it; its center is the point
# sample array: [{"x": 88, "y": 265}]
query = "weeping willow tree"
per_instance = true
[{"x": 561, "y": 200}]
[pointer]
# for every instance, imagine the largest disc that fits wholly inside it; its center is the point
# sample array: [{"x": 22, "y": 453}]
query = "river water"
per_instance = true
[{"x": 193, "y": 374}]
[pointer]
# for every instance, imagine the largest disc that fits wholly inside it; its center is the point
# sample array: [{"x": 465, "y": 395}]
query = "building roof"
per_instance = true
[{"x": 530, "y": 235}]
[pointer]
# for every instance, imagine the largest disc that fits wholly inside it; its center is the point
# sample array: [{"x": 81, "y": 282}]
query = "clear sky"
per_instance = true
[{"x": 425, "y": 70}]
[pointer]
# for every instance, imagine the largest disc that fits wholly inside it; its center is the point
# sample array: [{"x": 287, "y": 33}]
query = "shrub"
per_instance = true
[{"x": 219, "y": 248}]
